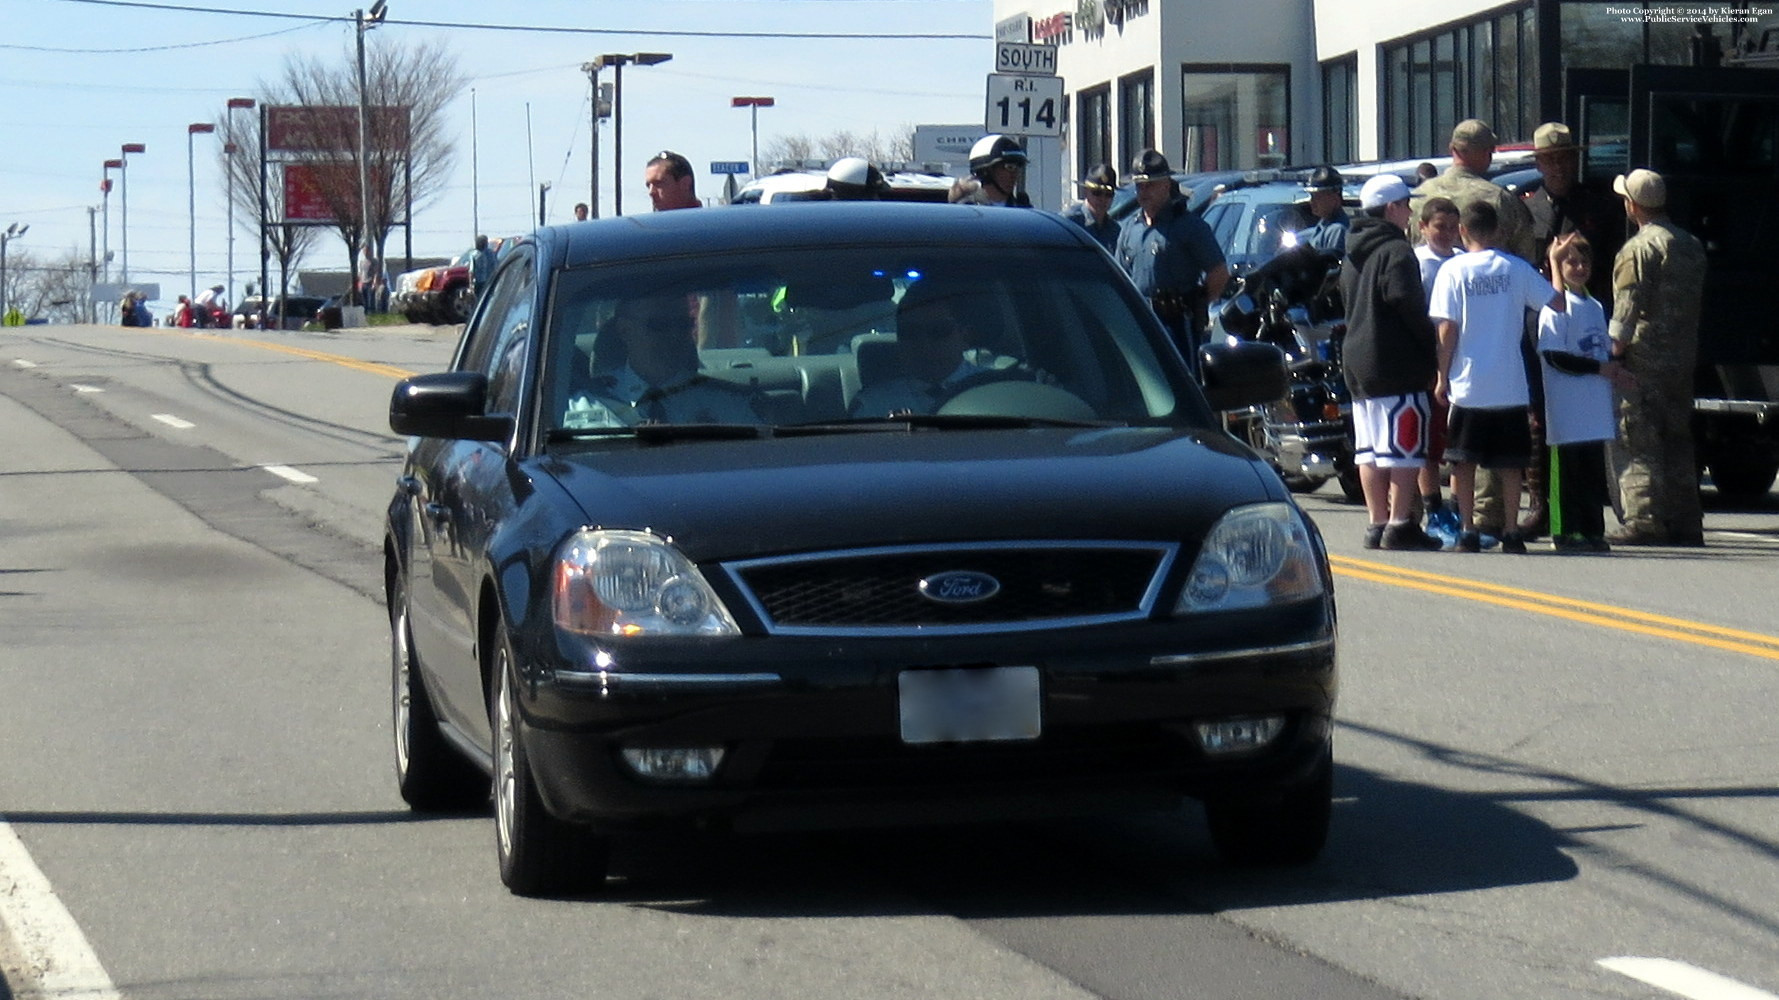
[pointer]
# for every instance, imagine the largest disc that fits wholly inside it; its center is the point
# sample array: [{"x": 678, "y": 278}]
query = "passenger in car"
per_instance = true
[{"x": 658, "y": 379}]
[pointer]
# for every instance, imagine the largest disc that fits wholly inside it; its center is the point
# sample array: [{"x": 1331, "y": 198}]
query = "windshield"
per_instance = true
[{"x": 853, "y": 333}]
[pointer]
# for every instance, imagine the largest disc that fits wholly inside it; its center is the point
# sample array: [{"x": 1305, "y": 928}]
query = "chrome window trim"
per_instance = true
[{"x": 1167, "y": 553}]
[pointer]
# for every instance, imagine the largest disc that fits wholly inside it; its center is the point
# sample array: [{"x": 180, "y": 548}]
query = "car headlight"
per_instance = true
[
  {"x": 632, "y": 583},
  {"x": 1254, "y": 556}
]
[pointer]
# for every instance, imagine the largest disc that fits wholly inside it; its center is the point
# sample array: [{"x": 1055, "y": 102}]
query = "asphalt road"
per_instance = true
[{"x": 1544, "y": 762}]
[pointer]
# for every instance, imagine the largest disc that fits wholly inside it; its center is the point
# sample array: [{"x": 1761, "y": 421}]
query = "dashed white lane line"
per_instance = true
[
  {"x": 22, "y": 363},
  {"x": 82, "y": 387},
  {"x": 174, "y": 422},
  {"x": 286, "y": 472},
  {"x": 1683, "y": 979},
  {"x": 43, "y": 952}
]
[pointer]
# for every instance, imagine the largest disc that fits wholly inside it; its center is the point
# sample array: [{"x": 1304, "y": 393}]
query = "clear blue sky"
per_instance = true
[{"x": 80, "y": 78}]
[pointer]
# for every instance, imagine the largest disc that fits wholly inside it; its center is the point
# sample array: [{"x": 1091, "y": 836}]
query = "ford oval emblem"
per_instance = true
[{"x": 960, "y": 586}]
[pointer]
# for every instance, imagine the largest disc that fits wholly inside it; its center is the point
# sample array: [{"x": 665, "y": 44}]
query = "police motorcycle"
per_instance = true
[{"x": 1293, "y": 302}]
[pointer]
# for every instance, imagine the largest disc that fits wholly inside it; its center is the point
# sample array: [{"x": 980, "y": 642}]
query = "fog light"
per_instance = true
[
  {"x": 1227, "y": 736},
  {"x": 674, "y": 763}
]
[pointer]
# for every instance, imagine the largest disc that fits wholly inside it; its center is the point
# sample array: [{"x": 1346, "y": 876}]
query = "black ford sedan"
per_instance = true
[{"x": 847, "y": 514}]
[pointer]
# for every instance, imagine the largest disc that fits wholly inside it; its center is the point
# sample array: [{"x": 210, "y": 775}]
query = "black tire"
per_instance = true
[
  {"x": 459, "y": 304},
  {"x": 431, "y": 776},
  {"x": 539, "y": 854},
  {"x": 1276, "y": 828},
  {"x": 1743, "y": 478}
]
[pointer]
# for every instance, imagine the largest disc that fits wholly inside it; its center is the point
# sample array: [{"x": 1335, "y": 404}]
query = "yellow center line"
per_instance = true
[
  {"x": 1567, "y": 608},
  {"x": 355, "y": 364}
]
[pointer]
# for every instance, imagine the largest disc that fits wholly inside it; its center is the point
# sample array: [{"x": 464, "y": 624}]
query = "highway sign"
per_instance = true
[
  {"x": 1024, "y": 105},
  {"x": 728, "y": 166},
  {"x": 1018, "y": 57}
]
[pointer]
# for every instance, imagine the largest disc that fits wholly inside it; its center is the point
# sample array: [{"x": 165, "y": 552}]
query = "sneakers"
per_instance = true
[
  {"x": 1442, "y": 524},
  {"x": 1409, "y": 536},
  {"x": 1573, "y": 544},
  {"x": 1469, "y": 541},
  {"x": 1374, "y": 536},
  {"x": 1513, "y": 544}
]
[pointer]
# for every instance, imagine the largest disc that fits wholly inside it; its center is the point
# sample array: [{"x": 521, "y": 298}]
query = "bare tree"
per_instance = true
[
  {"x": 408, "y": 156},
  {"x": 54, "y": 289},
  {"x": 873, "y": 146}
]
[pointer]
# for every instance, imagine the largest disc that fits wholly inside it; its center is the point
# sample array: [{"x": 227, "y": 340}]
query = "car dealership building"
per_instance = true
[{"x": 1270, "y": 82}]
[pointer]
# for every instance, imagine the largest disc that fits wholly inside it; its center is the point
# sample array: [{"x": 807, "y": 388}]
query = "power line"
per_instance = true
[
  {"x": 470, "y": 26},
  {"x": 163, "y": 48}
]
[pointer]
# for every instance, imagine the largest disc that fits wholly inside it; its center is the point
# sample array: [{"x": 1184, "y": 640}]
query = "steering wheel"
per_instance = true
[{"x": 1013, "y": 396}]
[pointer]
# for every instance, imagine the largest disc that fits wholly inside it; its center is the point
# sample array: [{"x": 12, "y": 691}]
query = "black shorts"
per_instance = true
[{"x": 1493, "y": 437}]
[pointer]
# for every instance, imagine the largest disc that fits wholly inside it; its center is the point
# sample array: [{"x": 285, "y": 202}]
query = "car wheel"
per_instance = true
[
  {"x": 540, "y": 855},
  {"x": 1279, "y": 827},
  {"x": 431, "y": 776}
]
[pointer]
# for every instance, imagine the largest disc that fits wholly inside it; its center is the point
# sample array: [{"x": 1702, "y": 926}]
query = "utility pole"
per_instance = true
[{"x": 365, "y": 21}]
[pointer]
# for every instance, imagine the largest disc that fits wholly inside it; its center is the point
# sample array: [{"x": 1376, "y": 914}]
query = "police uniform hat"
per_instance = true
[
  {"x": 1101, "y": 178},
  {"x": 1472, "y": 133},
  {"x": 1552, "y": 137},
  {"x": 1323, "y": 179},
  {"x": 1150, "y": 165}
]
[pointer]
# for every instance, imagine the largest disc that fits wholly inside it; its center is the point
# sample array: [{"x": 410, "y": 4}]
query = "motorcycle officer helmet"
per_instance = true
[
  {"x": 992, "y": 151},
  {"x": 854, "y": 178}
]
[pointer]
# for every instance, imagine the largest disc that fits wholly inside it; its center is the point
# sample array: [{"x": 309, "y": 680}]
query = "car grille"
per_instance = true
[{"x": 878, "y": 591}]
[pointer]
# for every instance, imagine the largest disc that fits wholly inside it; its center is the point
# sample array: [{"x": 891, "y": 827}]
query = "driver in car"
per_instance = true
[
  {"x": 937, "y": 357},
  {"x": 646, "y": 371}
]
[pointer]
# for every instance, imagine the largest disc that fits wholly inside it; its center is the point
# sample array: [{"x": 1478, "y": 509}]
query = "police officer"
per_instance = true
[
  {"x": 1329, "y": 232},
  {"x": 1170, "y": 253},
  {"x": 998, "y": 164},
  {"x": 1094, "y": 212},
  {"x": 1564, "y": 204},
  {"x": 1658, "y": 280}
]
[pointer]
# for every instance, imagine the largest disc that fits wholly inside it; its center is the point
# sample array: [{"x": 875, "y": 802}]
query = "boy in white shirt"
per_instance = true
[
  {"x": 1438, "y": 225},
  {"x": 1579, "y": 374},
  {"x": 1479, "y": 303}
]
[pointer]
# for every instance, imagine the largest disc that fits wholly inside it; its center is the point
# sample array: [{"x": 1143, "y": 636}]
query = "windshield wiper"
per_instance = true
[
  {"x": 938, "y": 421},
  {"x": 654, "y": 433}
]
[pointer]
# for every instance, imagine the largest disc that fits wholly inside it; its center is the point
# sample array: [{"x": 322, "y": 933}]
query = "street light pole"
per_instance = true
[
  {"x": 365, "y": 21},
  {"x": 617, "y": 61},
  {"x": 123, "y": 181},
  {"x": 592, "y": 71},
  {"x": 230, "y": 148},
  {"x": 105, "y": 214},
  {"x": 191, "y": 203},
  {"x": 12, "y": 232},
  {"x": 753, "y": 104}
]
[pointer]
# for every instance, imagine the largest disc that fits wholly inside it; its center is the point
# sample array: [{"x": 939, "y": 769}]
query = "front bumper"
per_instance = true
[{"x": 811, "y": 726}]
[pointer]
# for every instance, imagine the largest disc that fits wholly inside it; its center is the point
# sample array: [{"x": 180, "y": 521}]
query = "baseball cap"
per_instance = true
[
  {"x": 1323, "y": 179},
  {"x": 1384, "y": 189},
  {"x": 1150, "y": 165},
  {"x": 1473, "y": 132},
  {"x": 1101, "y": 178},
  {"x": 1645, "y": 187},
  {"x": 1552, "y": 136}
]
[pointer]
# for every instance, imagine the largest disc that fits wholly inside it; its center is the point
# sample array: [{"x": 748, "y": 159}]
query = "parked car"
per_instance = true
[
  {"x": 748, "y": 595},
  {"x": 288, "y": 312},
  {"x": 810, "y": 183},
  {"x": 441, "y": 295}
]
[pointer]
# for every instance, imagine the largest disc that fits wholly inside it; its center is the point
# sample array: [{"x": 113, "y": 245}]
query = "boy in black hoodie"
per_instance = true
[{"x": 1391, "y": 357}]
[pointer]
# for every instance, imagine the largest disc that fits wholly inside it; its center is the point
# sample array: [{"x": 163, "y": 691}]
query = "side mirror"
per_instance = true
[
  {"x": 446, "y": 405},
  {"x": 1243, "y": 373}
]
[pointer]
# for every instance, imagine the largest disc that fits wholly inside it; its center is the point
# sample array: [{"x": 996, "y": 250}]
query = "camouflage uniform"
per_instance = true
[
  {"x": 1658, "y": 280},
  {"x": 1514, "y": 235},
  {"x": 1463, "y": 188}
]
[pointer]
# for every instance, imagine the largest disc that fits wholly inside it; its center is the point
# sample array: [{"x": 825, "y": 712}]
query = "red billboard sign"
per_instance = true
[
  {"x": 308, "y": 188},
  {"x": 299, "y": 128}
]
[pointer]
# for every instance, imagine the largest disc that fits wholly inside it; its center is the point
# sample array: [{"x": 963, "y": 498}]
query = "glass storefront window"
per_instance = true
[
  {"x": 1094, "y": 122},
  {"x": 1136, "y": 115},
  {"x": 1236, "y": 118},
  {"x": 1485, "y": 68},
  {"x": 1340, "y": 102}
]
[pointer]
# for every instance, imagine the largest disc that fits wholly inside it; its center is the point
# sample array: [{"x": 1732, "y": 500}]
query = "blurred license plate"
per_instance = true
[{"x": 981, "y": 703}]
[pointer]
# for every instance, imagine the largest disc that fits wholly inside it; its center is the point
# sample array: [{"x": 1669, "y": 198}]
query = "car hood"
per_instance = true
[{"x": 729, "y": 500}]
